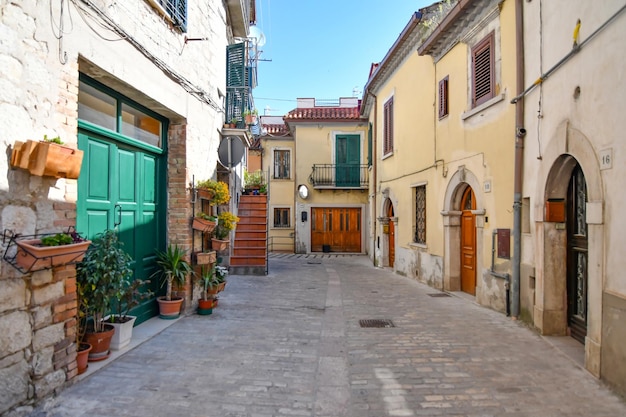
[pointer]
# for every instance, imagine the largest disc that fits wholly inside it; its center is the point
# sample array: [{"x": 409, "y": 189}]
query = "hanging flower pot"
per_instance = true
[
  {"x": 33, "y": 256},
  {"x": 218, "y": 244},
  {"x": 203, "y": 225}
]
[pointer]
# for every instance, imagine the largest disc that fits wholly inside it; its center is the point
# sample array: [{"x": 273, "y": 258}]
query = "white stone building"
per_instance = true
[
  {"x": 573, "y": 236},
  {"x": 140, "y": 87}
]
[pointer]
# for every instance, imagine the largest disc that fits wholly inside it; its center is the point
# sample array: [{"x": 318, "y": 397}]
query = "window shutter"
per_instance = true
[
  {"x": 388, "y": 121},
  {"x": 443, "y": 97},
  {"x": 483, "y": 70},
  {"x": 236, "y": 70}
]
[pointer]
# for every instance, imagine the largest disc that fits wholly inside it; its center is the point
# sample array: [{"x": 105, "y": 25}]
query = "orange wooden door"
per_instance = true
[
  {"x": 468, "y": 243},
  {"x": 339, "y": 229},
  {"x": 392, "y": 237}
]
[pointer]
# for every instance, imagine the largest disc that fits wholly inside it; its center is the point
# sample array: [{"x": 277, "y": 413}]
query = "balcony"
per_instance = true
[{"x": 339, "y": 176}]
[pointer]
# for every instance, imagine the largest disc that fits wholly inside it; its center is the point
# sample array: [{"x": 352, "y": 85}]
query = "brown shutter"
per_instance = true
[
  {"x": 443, "y": 97},
  {"x": 483, "y": 70},
  {"x": 388, "y": 121}
]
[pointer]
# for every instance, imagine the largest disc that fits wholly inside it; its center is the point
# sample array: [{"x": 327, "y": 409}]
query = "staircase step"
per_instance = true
[
  {"x": 254, "y": 234},
  {"x": 246, "y": 227},
  {"x": 250, "y": 243},
  {"x": 253, "y": 198},
  {"x": 247, "y": 260},
  {"x": 248, "y": 270},
  {"x": 251, "y": 212},
  {"x": 249, "y": 251}
]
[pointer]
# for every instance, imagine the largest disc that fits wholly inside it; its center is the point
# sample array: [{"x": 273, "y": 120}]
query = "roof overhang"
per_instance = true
[{"x": 454, "y": 25}]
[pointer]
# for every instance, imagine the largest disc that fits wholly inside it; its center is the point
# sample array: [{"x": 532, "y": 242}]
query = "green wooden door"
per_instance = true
[
  {"x": 118, "y": 188},
  {"x": 347, "y": 160}
]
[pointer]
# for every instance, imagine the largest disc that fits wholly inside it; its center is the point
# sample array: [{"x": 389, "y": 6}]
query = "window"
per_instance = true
[
  {"x": 177, "y": 11},
  {"x": 443, "y": 97},
  {"x": 281, "y": 164},
  {"x": 420, "y": 215},
  {"x": 483, "y": 70},
  {"x": 388, "y": 126},
  {"x": 282, "y": 217}
]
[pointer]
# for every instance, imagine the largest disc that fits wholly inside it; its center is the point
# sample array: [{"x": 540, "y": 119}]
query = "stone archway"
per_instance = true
[
  {"x": 567, "y": 148},
  {"x": 459, "y": 182}
]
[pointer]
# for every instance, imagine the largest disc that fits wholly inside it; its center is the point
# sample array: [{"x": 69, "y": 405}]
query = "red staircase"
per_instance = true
[{"x": 249, "y": 253}]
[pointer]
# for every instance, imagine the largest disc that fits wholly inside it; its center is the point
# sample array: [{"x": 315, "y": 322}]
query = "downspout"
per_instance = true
[
  {"x": 520, "y": 132},
  {"x": 374, "y": 165}
]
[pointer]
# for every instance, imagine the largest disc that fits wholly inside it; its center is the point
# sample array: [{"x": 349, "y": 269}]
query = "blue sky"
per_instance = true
[{"x": 323, "y": 48}]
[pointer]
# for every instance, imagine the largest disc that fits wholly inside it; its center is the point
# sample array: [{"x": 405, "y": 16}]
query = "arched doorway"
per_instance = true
[
  {"x": 468, "y": 242},
  {"x": 577, "y": 255},
  {"x": 392, "y": 236}
]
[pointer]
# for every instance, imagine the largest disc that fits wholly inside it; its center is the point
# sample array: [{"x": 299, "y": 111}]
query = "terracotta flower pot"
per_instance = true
[
  {"x": 100, "y": 343},
  {"x": 169, "y": 310},
  {"x": 203, "y": 225},
  {"x": 32, "y": 257},
  {"x": 205, "y": 258},
  {"x": 218, "y": 244},
  {"x": 205, "y": 307},
  {"x": 82, "y": 354}
]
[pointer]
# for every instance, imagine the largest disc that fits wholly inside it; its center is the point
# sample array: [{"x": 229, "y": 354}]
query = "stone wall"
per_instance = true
[{"x": 38, "y": 327}]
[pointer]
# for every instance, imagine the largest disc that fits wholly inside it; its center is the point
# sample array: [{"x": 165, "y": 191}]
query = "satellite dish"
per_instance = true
[
  {"x": 230, "y": 151},
  {"x": 257, "y": 36}
]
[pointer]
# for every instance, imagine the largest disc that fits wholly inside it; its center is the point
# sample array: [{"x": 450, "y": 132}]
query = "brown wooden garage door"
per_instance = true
[{"x": 336, "y": 229}]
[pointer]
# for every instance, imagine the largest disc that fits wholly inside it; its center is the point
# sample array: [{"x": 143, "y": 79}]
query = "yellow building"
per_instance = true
[
  {"x": 443, "y": 132},
  {"x": 330, "y": 161},
  {"x": 276, "y": 147}
]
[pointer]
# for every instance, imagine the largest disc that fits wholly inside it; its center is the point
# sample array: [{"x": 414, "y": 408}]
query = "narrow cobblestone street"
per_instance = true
[{"x": 290, "y": 344}]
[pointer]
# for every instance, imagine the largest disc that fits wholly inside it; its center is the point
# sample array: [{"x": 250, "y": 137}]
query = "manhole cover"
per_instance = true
[
  {"x": 440, "y": 294},
  {"x": 376, "y": 323}
]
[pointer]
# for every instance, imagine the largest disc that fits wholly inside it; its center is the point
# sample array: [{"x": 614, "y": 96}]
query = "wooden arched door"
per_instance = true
[
  {"x": 468, "y": 242},
  {"x": 392, "y": 236}
]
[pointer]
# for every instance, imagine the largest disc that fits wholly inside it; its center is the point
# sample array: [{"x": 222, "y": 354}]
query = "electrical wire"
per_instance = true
[{"x": 186, "y": 84}]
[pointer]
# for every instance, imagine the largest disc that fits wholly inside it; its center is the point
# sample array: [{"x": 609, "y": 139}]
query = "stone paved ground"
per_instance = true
[{"x": 290, "y": 344}]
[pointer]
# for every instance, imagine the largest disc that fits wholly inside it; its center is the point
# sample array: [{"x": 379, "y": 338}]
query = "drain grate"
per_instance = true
[
  {"x": 376, "y": 323},
  {"x": 439, "y": 294}
]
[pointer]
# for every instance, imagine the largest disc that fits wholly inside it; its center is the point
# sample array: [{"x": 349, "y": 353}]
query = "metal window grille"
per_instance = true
[
  {"x": 420, "y": 214},
  {"x": 177, "y": 11}
]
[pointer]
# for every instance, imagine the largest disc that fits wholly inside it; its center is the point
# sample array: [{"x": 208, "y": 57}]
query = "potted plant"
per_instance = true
[
  {"x": 215, "y": 191},
  {"x": 82, "y": 348},
  {"x": 220, "y": 276},
  {"x": 127, "y": 296},
  {"x": 250, "y": 116},
  {"x": 172, "y": 267},
  {"x": 253, "y": 181},
  {"x": 204, "y": 222},
  {"x": 50, "y": 251},
  {"x": 233, "y": 123},
  {"x": 100, "y": 275},
  {"x": 209, "y": 284},
  {"x": 226, "y": 221}
]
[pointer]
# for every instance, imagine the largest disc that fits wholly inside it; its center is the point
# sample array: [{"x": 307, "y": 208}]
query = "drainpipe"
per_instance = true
[
  {"x": 374, "y": 164},
  {"x": 520, "y": 132}
]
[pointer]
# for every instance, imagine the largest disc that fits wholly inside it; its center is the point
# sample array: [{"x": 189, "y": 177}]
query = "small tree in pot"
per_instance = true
[
  {"x": 100, "y": 275},
  {"x": 172, "y": 267}
]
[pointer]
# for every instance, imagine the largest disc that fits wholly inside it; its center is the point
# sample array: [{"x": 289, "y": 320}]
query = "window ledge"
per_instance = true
[
  {"x": 482, "y": 107},
  {"x": 418, "y": 245},
  {"x": 387, "y": 155},
  {"x": 161, "y": 10}
]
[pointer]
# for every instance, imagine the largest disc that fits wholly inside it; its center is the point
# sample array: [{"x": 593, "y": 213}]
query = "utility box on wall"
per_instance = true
[
  {"x": 555, "y": 210},
  {"x": 504, "y": 243}
]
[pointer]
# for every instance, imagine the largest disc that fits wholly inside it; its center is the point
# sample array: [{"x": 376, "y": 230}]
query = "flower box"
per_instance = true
[
  {"x": 47, "y": 159},
  {"x": 205, "y": 258},
  {"x": 203, "y": 225},
  {"x": 31, "y": 256}
]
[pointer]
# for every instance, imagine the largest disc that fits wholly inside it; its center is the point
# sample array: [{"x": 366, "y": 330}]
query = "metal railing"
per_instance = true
[{"x": 340, "y": 176}]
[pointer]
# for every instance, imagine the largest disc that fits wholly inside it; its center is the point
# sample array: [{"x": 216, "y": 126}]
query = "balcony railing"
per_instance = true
[{"x": 348, "y": 176}]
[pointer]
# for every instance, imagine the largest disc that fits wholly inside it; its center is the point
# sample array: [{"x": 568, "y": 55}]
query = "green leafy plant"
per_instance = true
[
  {"x": 56, "y": 140},
  {"x": 253, "y": 179},
  {"x": 209, "y": 280},
  {"x": 61, "y": 239},
  {"x": 172, "y": 267},
  {"x": 127, "y": 296},
  {"x": 219, "y": 189},
  {"x": 220, "y": 273},
  {"x": 205, "y": 216},
  {"x": 226, "y": 222},
  {"x": 101, "y": 274}
]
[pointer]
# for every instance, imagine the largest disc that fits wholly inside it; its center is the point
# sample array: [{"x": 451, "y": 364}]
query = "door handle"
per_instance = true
[{"x": 119, "y": 215}]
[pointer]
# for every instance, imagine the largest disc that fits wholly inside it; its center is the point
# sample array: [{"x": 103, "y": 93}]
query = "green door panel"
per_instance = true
[
  {"x": 347, "y": 160},
  {"x": 117, "y": 188}
]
